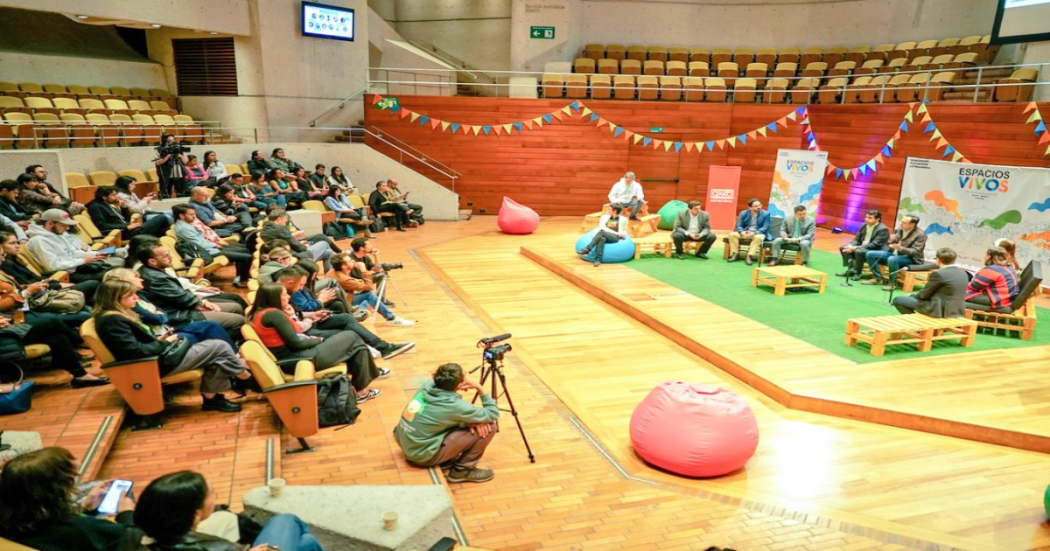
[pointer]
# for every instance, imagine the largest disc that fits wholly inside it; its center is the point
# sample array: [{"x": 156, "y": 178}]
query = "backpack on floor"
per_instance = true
[{"x": 336, "y": 401}]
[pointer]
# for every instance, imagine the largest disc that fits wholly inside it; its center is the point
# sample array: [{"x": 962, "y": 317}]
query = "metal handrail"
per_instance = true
[
  {"x": 338, "y": 105},
  {"x": 423, "y": 158},
  {"x": 376, "y": 131},
  {"x": 455, "y": 60}
]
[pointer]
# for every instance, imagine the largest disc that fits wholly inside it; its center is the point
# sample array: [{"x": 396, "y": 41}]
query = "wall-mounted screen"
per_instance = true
[
  {"x": 328, "y": 21},
  {"x": 1021, "y": 21}
]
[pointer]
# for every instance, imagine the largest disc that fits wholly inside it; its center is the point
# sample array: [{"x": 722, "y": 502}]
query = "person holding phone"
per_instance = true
[{"x": 37, "y": 508}]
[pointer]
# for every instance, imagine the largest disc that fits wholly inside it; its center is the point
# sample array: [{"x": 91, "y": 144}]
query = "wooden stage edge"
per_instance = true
[{"x": 910, "y": 416}]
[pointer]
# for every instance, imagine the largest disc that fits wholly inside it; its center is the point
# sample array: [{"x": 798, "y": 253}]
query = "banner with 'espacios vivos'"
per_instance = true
[
  {"x": 968, "y": 206},
  {"x": 798, "y": 179}
]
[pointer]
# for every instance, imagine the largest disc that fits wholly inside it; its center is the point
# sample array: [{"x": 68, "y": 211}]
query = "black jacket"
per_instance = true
[
  {"x": 14, "y": 211},
  {"x": 260, "y": 165},
  {"x": 273, "y": 231},
  {"x": 106, "y": 218},
  {"x": 127, "y": 340},
  {"x": 192, "y": 541},
  {"x": 165, "y": 292}
]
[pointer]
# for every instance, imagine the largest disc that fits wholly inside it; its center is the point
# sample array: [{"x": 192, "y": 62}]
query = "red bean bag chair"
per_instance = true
[
  {"x": 694, "y": 430},
  {"x": 516, "y": 218}
]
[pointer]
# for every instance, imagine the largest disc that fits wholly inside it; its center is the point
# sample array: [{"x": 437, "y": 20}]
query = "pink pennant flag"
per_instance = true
[
  {"x": 1030, "y": 107},
  {"x": 434, "y": 123},
  {"x": 853, "y": 173}
]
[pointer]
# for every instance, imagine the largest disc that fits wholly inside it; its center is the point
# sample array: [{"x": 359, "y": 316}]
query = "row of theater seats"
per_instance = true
[
  {"x": 803, "y": 56},
  {"x": 863, "y": 89},
  {"x": 57, "y": 106},
  {"x": 51, "y": 131},
  {"x": 75, "y": 90},
  {"x": 783, "y": 69}
]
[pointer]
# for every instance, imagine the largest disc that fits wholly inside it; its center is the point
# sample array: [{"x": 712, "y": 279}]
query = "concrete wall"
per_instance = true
[
  {"x": 363, "y": 165},
  {"x": 1038, "y": 52},
  {"x": 476, "y": 31},
  {"x": 224, "y": 16},
  {"x": 388, "y": 49},
  {"x": 20, "y": 67}
]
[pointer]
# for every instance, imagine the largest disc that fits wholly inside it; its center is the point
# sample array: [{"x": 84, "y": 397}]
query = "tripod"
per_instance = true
[{"x": 492, "y": 371}]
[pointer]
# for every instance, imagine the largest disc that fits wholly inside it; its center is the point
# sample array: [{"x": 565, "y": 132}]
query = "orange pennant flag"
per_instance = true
[
  {"x": 1044, "y": 138},
  {"x": 897, "y": 136},
  {"x": 434, "y": 123},
  {"x": 1030, "y": 107},
  {"x": 721, "y": 144},
  {"x": 689, "y": 147},
  {"x": 403, "y": 113},
  {"x": 627, "y": 134},
  {"x": 557, "y": 114},
  {"x": 528, "y": 124},
  {"x": 752, "y": 134},
  {"x": 465, "y": 128},
  {"x": 941, "y": 143},
  {"x": 926, "y": 117},
  {"x": 377, "y": 98},
  {"x": 880, "y": 159},
  {"x": 782, "y": 121},
  {"x": 498, "y": 129},
  {"x": 854, "y": 172},
  {"x": 601, "y": 122}
]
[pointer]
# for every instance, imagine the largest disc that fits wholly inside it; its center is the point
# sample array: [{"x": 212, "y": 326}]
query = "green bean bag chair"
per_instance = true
[{"x": 668, "y": 212}]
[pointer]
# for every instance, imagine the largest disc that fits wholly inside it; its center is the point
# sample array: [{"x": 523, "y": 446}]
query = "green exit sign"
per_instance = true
[
  {"x": 542, "y": 33},
  {"x": 656, "y": 129}
]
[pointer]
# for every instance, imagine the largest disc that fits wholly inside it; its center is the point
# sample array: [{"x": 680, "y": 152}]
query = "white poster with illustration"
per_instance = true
[
  {"x": 798, "y": 178},
  {"x": 968, "y": 206}
]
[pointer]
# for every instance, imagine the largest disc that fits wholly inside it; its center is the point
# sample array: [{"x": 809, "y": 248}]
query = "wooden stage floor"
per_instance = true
[{"x": 600, "y": 339}]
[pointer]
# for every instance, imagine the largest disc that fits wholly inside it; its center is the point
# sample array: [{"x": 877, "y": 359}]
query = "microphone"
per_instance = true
[{"x": 488, "y": 341}]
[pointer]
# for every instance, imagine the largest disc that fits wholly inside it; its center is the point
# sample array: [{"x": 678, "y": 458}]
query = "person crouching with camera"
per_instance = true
[
  {"x": 171, "y": 166},
  {"x": 439, "y": 428}
]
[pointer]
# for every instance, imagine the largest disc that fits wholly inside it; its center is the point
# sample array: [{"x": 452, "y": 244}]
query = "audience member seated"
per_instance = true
[
  {"x": 195, "y": 173},
  {"x": 257, "y": 163},
  {"x": 627, "y": 194},
  {"x": 304, "y": 184},
  {"x": 35, "y": 197},
  {"x": 33, "y": 299},
  {"x": 341, "y": 181},
  {"x": 171, "y": 168},
  {"x": 395, "y": 195},
  {"x": 213, "y": 167},
  {"x": 284, "y": 186},
  {"x": 312, "y": 306},
  {"x": 314, "y": 249},
  {"x": 1010, "y": 248},
  {"x": 138, "y": 205},
  {"x": 227, "y": 302},
  {"x": 195, "y": 332},
  {"x": 380, "y": 201},
  {"x": 173, "y": 506},
  {"x": 181, "y": 305},
  {"x": 264, "y": 192},
  {"x": 319, "y": 179},
  {"x": 246, "y": 191},
  {"x": 353, "y": 274},
  {"x": 692, "y": 224},
  {"x": 128, "y": 338},
  {"x": 227, "y": 202},
  {"x": 274, "y": 259},
  {"x": 10, "y": 207},
  {"x": 872, "y": 236},
  {"x": 222, "y": 224},
  {"x": 994, "y": 285},
  {"x": 753, "y": 223},
  {"x": 439, "y": 428},
  {"x": 611, "y": 229},
  {"x": 337, "y": 202},
  {"x": 190, "y": 229},
  {"x": 54, "y": 248},
  {"x": 108, "y": 214},
  {"x": 943, "y": 295},
  {"x": 906, "y": 248},
  {"x": 37, "y": 507},
  {"x": 278, "y": 160},
  {"x": 801, "y": 231},
  {"x": 13, "y": 267},
  {"x": 50, "y": 197},
  {"x": 273, "y": 318}
]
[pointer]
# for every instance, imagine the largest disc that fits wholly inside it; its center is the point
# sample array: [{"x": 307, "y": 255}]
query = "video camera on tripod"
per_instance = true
[
  {"x": 492, "y": 372},
  {"x": 173, "y": 148},
  {"x": 495, "y": 352}
]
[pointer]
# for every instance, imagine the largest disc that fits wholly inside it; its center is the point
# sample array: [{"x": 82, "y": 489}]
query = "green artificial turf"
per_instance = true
[{"x": 819, "y": 319}]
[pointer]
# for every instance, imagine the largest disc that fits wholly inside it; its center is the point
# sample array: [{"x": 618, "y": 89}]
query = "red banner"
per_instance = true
[{"x": 723, "y": 185}]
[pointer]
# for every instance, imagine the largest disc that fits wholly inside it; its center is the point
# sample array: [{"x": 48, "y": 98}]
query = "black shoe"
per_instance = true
[
  {"x": 847, "y": 273},
  {"x": 84, "y": 383},
  {"x": 855, "y": 278},
  {"x": 701, "y": 255},
  {"x": 220, "y": 403},
  {"x": 396, "y": 348},
  {"x": 242, "y": 386},
  {"x": 402, "y": 229},
  {"x": 583, "y": 252},
  {"x": 748, "y": 261},
  {"x": 389, "y": 303},
  {"x": 681, "y": 256}
]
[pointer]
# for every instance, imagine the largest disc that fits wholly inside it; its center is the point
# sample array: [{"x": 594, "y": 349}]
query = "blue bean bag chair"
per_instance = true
[
  {"x": 621, "y": 251},
  {"x": 668, "y": 213}
]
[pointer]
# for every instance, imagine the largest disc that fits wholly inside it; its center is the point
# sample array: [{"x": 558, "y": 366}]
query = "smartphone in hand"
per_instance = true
[{"x": 116, "y": 492}]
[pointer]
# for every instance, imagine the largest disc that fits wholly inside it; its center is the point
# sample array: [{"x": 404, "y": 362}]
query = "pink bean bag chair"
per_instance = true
[
  {"x": 517, "y": 219},
  {"x": 694, "y": 430}
]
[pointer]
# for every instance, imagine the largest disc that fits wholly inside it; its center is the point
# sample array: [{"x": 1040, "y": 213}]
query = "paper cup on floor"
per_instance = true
[{"x": 276, "y": 486}]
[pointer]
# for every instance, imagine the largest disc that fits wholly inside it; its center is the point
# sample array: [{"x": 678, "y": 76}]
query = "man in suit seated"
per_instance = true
[
  {"x": 753, "y": 224},
  {"x": 872, "y": 236},
  {"x": 943, "y": 295},
  {"x": 801, "y": 231},
  {"x": 906, "y": 249},
  {"x": 692, "y": 224}
]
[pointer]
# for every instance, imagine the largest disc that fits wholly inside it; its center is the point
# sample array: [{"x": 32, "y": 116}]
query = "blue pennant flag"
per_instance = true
[
  {"x": 547, "y": 119},
  {"x": 742, "y": 138},
  {"x": 838, "y": 173},
  {"x": 575, "y": 106},
  {"x": 486, "y": 129},
  {"x": 395, "y": 108},
  {"x": 1041, "y": 128},
  {"x": 930, "y": 127},
  {"x": 871, "y": 165},
  {"x": 593, "y": 117},
  {"x": 517, "y": 126},
  {"x": 710, "y": 146},
  {"x": 772, "y": 126},
  {"x": 618, "y": 131},
  {"x": 646, "y": 141},
  {"x": 677, "y": 146},
  {"x": 904, "y": 126},
  {"x": 809, "y": 137},
  {"x": 863, "y": 169},
  {"x": 948, "y": 150},
  {"x": 455, "y": 127},
  {"x": 800, "y": 110},
  {"x": 423, "y": 120}
]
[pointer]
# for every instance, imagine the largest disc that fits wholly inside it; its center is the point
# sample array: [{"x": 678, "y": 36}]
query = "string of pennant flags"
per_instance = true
[{"x": 798, "y": 115}]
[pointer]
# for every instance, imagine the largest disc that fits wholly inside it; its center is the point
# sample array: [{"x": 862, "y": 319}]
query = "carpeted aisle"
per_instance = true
[{"x": 819, "y": 319}]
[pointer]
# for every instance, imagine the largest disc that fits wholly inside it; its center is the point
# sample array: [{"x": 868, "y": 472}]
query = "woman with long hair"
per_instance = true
[
  {"x": 281, "y": 330},
  {"x": 304, "y": 185},
  {"x": 128, "y": 338},
  {"x": 37, "y": 508},
  {"x": 195, "y": 174},
  {"x": 277, "y": 259},
  {"x": 340, "y": 179},
  {"x": 139, "y": 205},
  {"x": 346, "y": 213},
  {"x": 279, "y": 160},
  {"x": 994, "y": 285},
  {"x": 215, "y": 169},
  {"x": 172, "y": 506},
  {"x": 265, "y": 192}
]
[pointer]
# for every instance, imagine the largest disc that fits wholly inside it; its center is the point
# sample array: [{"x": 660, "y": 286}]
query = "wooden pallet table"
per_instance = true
[
  {"x": 782, "y": 278},
  {"x": 658, "y": 243},
  {"x": 918, "y": 329}
]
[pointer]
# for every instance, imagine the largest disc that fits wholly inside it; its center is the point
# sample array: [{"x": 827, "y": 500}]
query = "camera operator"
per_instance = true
[
  {"x": 439, "y": 427},
  {"x": 171, "y": 166}
]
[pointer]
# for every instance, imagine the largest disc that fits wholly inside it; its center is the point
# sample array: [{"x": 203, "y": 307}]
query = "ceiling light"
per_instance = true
[
  {"x": 155, "y": 25},
  {"x": 82, "y": 17}
]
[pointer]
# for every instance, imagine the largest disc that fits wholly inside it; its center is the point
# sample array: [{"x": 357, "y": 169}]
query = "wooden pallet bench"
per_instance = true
[{"x": 918, "y": 329}]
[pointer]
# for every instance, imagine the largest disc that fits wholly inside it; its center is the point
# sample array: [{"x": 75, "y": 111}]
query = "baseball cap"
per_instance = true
[{"x": 58, "y": 215}]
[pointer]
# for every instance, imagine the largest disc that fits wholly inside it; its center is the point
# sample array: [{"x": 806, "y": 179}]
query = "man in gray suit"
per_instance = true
[
  {"x": 692, "y": 224},
  {"x": 942, "y": 297},
  {"x": 801, "y": 231},
  {"x": 872, "y": 236}
]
